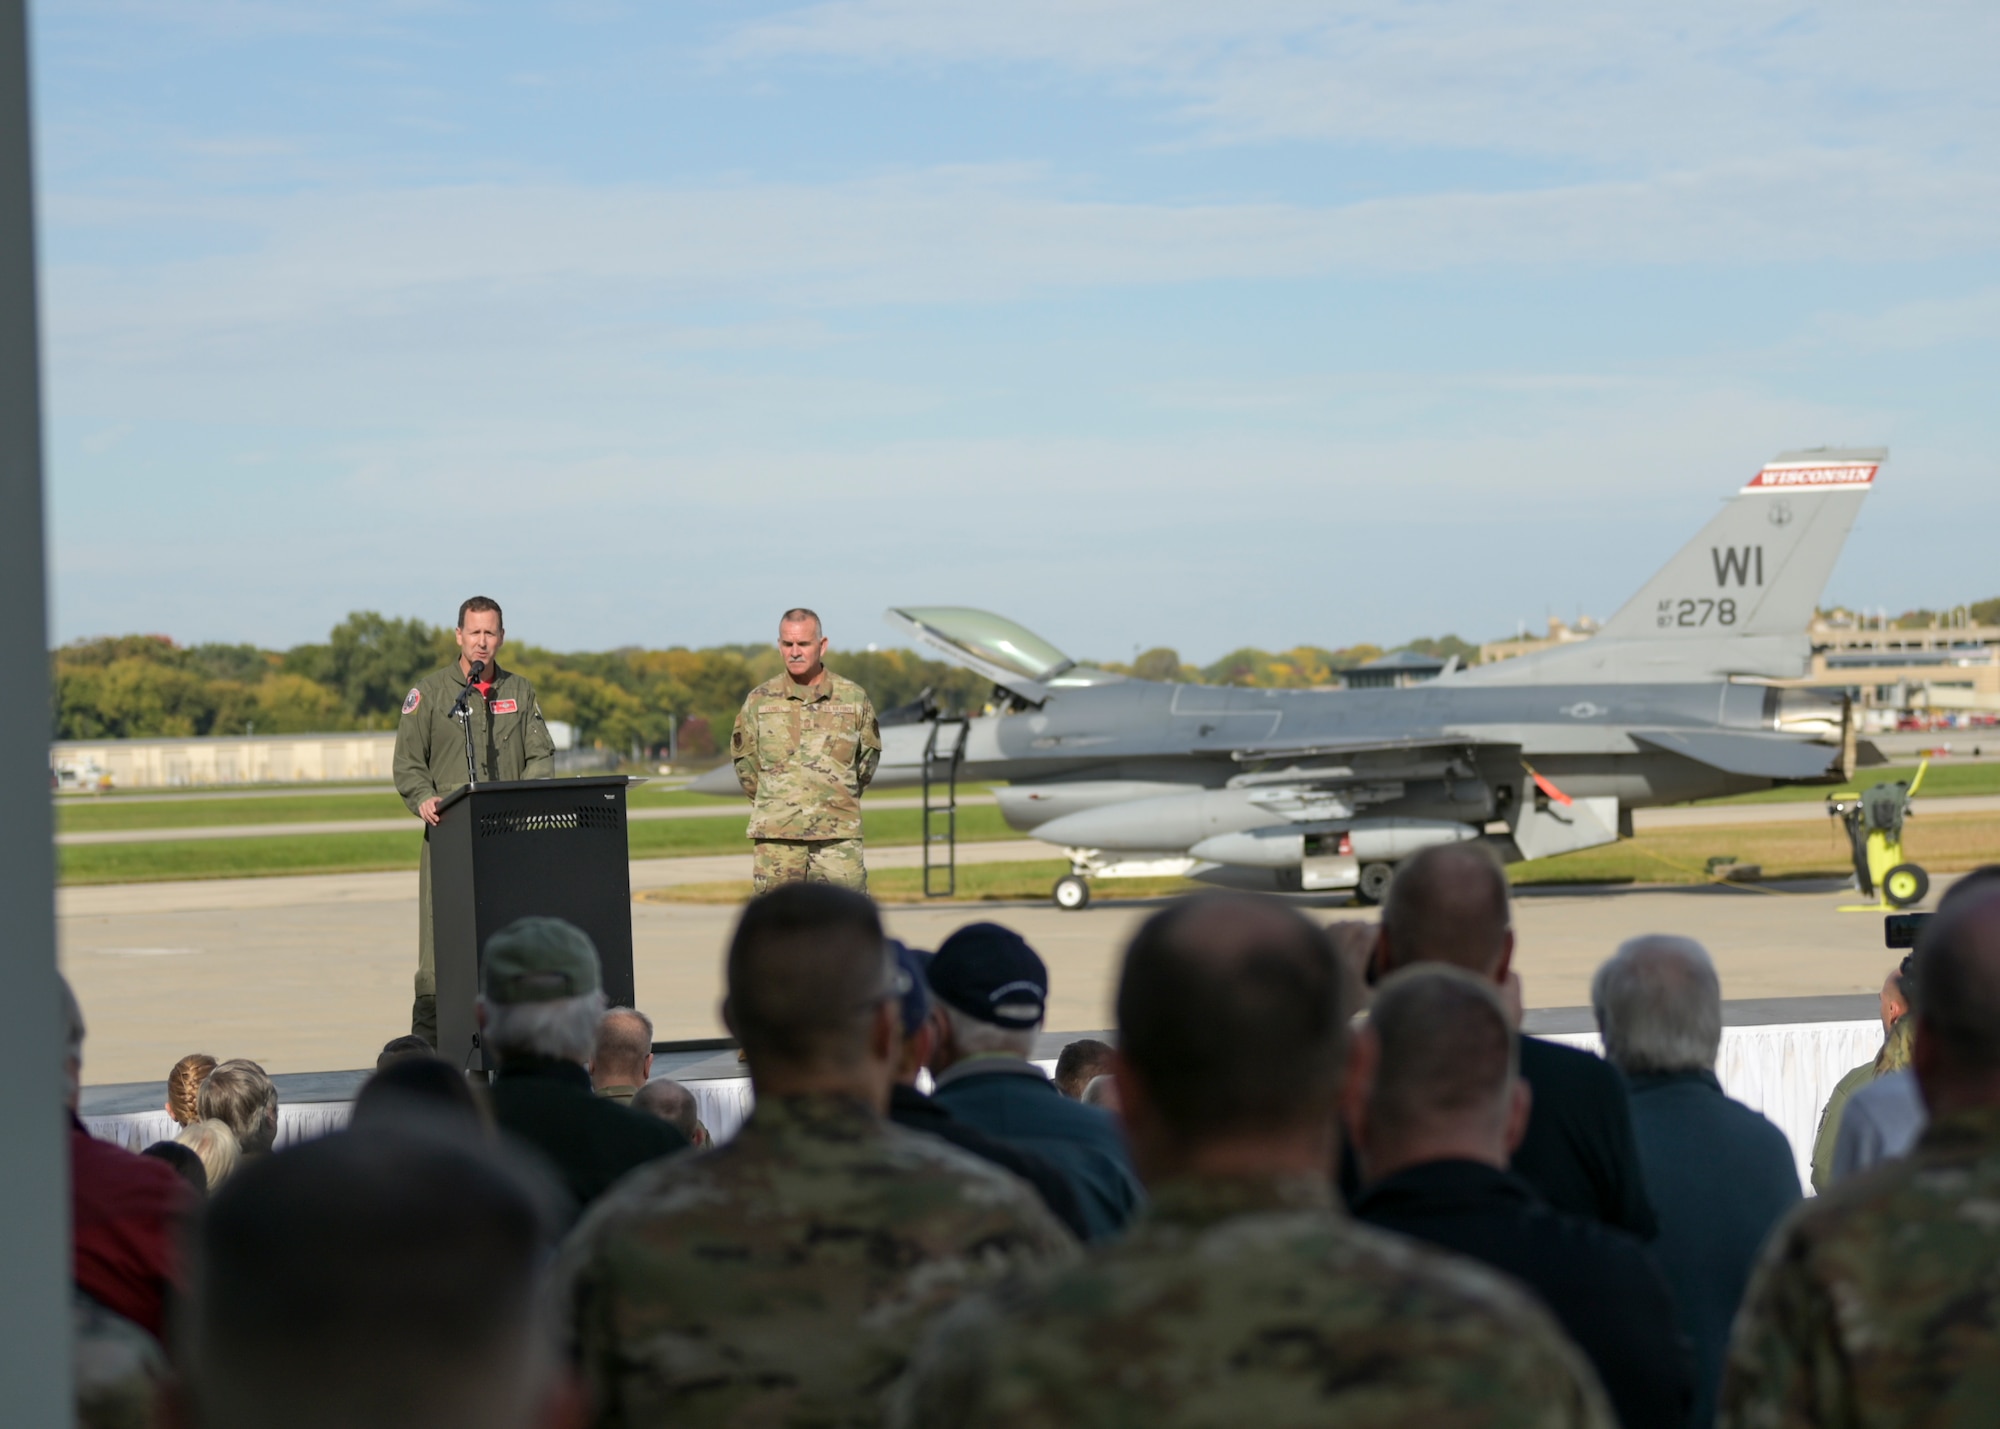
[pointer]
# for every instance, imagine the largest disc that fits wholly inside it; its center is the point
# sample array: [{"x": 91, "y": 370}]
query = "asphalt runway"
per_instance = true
[{"x": 313, "y": 974}]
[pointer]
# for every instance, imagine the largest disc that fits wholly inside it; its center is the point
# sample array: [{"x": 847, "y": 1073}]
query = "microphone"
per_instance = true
[{"x": 478, "y": 668}]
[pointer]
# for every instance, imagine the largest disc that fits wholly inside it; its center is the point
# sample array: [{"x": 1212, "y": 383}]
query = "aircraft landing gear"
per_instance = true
[
  {"x": 1071, "y": 893},
  {"x": 1374, "y": 884}
]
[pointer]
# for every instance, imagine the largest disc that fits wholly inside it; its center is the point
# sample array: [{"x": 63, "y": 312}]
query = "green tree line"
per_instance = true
[{"x": 133, "y": 686}]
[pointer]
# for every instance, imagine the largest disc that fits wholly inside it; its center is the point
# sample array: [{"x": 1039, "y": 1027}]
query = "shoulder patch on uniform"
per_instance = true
[
  {"x": 414, "y": 698},
  {"x": 505, "y": 706}
]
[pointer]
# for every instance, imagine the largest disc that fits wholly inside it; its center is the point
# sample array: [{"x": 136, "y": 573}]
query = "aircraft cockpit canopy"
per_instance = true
[
  {"x": 1008, "y": 653},
  {"x": 991, "y": 638}
]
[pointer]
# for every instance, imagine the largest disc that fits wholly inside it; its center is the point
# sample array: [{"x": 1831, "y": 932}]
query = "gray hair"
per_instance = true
[
  {"x": 1659, "y": 1005},
  {"x": 563, "y": 1028},
  {"x": 969, "y": 1034}
]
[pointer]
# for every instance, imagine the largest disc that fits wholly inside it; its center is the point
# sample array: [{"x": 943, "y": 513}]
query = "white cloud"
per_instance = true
[
  {"x": 484, "y": 258},
  {"x": 1689, "y": 82}
]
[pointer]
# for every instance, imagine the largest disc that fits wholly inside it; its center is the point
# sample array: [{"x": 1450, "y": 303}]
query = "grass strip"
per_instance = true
[
  {"x": 1944, "y": 780},
  {"x": 279, "y": 855},
  {"x": 74, "y": 815},
  {"x": 1948, "y": 843},
  {"x": 884, "y": 828},
  {"x": 267, "y": 856}
]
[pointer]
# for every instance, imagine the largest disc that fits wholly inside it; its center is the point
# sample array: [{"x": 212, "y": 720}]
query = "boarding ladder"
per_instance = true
[{"x": 944, "y": 752}]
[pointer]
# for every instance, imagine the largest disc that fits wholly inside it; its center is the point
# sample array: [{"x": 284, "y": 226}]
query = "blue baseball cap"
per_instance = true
[
  {"x": 989, "y": 972},
  {"x": 915, "y": 994}
]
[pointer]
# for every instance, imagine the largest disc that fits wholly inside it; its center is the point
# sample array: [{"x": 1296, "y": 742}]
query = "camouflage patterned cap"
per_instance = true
[{"x": 539, "y": 960}]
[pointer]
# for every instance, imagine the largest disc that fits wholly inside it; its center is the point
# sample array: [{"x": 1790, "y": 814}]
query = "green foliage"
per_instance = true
[
  {"x": 1444, "y": 647},
  {"x": 1985, "y": 612},
  {"x": 372, "y": 661},
  {"x": 1160, "y": 664},
  {"x": 1300, "y": 668}
]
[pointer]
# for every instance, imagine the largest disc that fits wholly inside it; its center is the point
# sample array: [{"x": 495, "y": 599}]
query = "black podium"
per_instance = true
[{"x": 519, "y": 847}]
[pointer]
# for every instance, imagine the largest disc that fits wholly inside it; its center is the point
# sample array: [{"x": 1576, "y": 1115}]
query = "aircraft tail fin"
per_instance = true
[
  {"x": 1736, "y": 600},
  {"x": 1760, "y": 566}
]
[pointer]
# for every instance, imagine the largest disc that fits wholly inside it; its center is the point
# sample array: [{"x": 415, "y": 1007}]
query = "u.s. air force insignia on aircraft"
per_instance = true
[
  {"x": 1780, "y": 513},
  {"x": 410, "y": 701},
  {"x": 1584, "y": 709}
]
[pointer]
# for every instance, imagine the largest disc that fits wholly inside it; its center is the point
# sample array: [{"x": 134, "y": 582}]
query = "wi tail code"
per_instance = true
[{"x": 1745, "y": 563}]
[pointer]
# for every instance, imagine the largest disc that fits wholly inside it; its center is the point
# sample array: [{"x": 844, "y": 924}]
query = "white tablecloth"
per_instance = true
[
  {"x": 1786, "y": 1072},
  {"x": 135, "y": 1131}
]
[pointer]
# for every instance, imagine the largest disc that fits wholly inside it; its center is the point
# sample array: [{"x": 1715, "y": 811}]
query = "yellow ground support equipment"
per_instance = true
[{"x": 1874, "y": 819}]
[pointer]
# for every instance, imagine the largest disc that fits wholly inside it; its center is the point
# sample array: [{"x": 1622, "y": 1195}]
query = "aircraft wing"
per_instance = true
[
  {"x": 1764, "y": 756},
  {"x": 1374, "y": 744}
]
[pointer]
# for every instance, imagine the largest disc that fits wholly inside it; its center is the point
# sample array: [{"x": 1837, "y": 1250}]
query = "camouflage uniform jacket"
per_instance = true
[
  {"x": 783, "y": 1277},
  {"x": 1879, "y": 1303},
  {"x": 508, "y": 734},
  {"x": 804, "y": 753},
  {"x": 1254, "y": 1302}
]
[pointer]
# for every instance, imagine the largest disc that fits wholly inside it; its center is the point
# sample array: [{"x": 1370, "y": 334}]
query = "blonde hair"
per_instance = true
[
  {"x": 183, "y": 1085},
  {"x": 215, "y": 1144}
]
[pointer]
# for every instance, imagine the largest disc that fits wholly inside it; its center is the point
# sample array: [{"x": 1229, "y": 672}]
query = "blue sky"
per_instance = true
[{"x": 1144, "y": 321}]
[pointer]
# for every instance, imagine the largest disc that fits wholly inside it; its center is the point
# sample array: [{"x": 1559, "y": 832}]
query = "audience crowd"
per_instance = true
[{"x": 1318, "y": 1175}]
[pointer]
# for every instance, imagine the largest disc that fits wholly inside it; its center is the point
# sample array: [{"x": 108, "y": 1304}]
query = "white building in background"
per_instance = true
[
  {"x": 359, "y": 755},
  {"x": 224, "y": 759}
]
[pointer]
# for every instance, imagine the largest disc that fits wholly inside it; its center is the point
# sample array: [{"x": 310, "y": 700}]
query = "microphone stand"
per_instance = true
[{"x": 462, "y": 712}]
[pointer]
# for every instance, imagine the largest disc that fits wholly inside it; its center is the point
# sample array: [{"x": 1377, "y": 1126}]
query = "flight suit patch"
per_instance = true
[
  {"x": 412, "y": 700},
  {"x": 504, "y": 706}
]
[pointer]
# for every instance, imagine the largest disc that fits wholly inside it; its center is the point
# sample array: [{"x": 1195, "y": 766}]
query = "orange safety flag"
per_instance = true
[{"x": 1548, "y": 788}]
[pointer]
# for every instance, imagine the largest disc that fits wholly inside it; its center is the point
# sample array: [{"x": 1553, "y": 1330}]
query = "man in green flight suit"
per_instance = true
[
  {"x": 805, "y": 746},
  {"x": 509, "y": 737}
]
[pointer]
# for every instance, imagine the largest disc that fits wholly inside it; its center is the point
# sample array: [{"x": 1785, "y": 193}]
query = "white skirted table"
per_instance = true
[{"x": 1786, "y": 1071}]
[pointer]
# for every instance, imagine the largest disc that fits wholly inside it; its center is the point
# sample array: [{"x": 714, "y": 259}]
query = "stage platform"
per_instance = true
[{"x": 1780, "y": 1056}]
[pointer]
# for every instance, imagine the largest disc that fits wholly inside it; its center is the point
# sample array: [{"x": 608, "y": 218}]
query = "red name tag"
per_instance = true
[{"x": 504, "y": 707}]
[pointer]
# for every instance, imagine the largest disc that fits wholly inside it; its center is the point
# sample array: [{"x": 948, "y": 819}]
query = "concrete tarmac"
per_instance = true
[{"x": 313, "y": 974}]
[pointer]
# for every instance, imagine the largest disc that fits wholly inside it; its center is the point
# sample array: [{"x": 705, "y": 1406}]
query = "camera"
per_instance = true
[{"x": 1901, "y": 930}]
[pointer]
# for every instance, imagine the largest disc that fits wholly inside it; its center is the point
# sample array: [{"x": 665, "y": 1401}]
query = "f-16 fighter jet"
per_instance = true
[{"x": 1308, "y": 790}]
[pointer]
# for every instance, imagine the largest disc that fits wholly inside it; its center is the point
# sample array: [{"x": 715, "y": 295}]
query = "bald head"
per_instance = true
[
  {"x": 1445, "y": 1065},
  {"x": 808, "y": 970},
  {"x": 1448, "y": 904},
  {"x": 670, "y": 1102},
  {"x": 1232, "y": 1015},
  {"x": 624, "y": 1048},
  {"x": 1957, "y": 996}
]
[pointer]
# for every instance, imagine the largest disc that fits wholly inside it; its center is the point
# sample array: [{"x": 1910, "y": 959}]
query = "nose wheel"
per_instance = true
[
  {"x": 1374, "y": 884},
  {"x": 1071, "y": 893}
]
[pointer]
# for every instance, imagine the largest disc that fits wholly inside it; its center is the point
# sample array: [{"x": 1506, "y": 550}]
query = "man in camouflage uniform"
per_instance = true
[
  {"x": 1879, "y": 1303},
  {"x": 1244, "y": 1295},
  {"x": 783, "y": 1277},
  {"x": 509, "y": 737},
  {"x": 805, "y": 746}
]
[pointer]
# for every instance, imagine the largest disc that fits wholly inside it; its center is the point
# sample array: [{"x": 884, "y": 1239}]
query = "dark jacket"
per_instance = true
[
  {"x": 1579, "y": 1152},
  {"x": 1601, "y": 1284},
  {"x": 1012, "y": 1099},
  {"x": 1720, "y": 1176},
  {"x": 913, "y": 1111},
  {"x": 590, "y": 1142}
]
